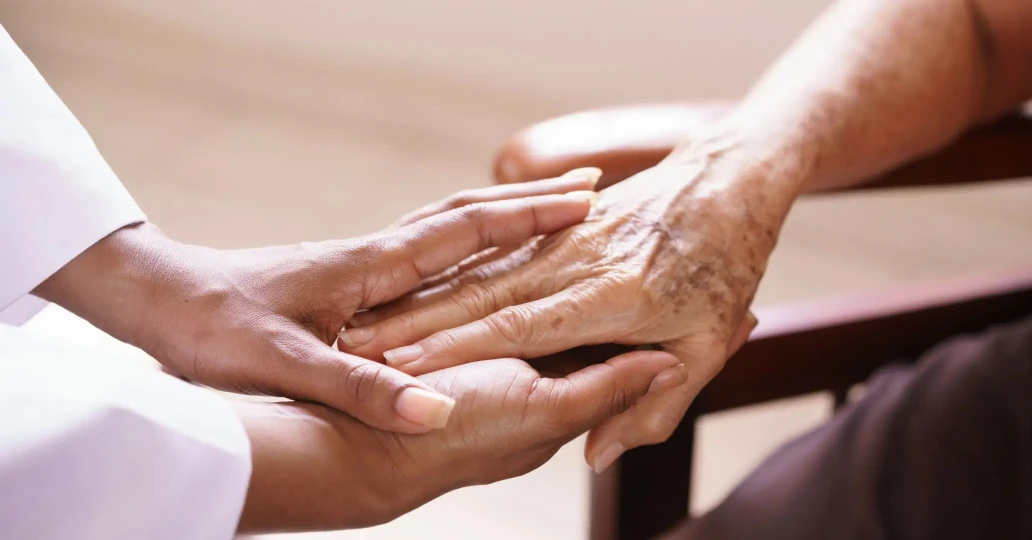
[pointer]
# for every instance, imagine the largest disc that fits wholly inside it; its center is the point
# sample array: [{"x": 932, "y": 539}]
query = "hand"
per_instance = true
[
  {"x": 318, "y": 469},
  {"x": 263, "y": 320},
  {"x": 671, "y": 256}
]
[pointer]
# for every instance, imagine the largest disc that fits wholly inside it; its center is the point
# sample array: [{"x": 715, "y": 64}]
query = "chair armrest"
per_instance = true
[
  {"x": 623, "y": 141},
  {"x": 835, "y": 343}
]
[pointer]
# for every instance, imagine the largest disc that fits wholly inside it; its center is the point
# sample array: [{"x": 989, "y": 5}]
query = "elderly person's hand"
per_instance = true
[
  {"x": 318, "y": 469},
  {"x": 672, "y": 256},
  {"x": 264, "y": 320}
]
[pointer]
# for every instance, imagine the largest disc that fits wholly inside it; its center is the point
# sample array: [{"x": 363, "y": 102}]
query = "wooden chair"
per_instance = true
[{"x": 818, "y": 346}]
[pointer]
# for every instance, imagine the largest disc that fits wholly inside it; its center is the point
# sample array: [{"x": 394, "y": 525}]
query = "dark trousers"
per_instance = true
[{"x": 938, "y": 450}]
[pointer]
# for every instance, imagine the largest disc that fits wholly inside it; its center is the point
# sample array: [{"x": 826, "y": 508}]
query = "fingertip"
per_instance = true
[
  {"x": 607, "y": 457},
  {"x": 648, "y": 360},
  {"x": 353, "y": 338},
  {"x": 557, "y": 212},
  {"x": 670, "y": 377},
  {"x": 590, "y": 175},
  {"x": 591, "y": 197},
  {"x": 402, "y": 356}
]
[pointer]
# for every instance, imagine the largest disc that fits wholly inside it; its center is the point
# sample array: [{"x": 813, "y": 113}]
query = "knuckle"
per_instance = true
[
  {"x": 473, "y": 211},
  {"x": 359, "y": 382},
  {"x": 581, "y": 241},
  {"x": 478, "y": 299},
  {"x": 477, "y": 214},
  {"x": 552, "y": 399},
  {"x": 657, "y": 427},
  {"x": 621, "y": 399},
  {"x": 513, "y": 324},
  {"x": 444, "y": 340}
]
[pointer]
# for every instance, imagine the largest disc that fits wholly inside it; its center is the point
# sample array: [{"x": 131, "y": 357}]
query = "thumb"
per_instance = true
[
  {"x": 655, "y": 416},
  {"x": 596, "y": 393},
  {"x": 376, "y": 394}
]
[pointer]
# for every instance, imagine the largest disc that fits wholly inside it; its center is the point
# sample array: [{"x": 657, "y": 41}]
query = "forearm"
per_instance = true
[
  {"x": 117, "y": 283},
  {"x": 313, "y": 469},
  {"x": 876, "y": 83}
]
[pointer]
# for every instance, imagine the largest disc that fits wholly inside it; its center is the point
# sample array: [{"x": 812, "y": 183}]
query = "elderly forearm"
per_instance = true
[{"x": 875, "y": 83}]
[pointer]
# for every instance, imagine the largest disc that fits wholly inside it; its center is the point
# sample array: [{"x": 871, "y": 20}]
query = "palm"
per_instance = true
[{"x": 510, "y": 418}]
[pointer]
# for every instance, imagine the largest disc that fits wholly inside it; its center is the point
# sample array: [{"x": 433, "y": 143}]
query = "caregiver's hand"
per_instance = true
[
  {"x": 671, "y": 256},
  {"x": 317, "y": 469},
  {"x": 264, "y": 320}
]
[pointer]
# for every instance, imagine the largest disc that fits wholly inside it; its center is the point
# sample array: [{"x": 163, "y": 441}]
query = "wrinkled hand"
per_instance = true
[
  {"x": 317, "y": 469},
  {"x": 264, "y": 320},
  {"x": 672, "y": 256}
]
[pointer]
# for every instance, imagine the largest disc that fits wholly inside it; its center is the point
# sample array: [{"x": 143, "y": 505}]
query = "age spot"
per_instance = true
[{"x": 557, "y": 322}]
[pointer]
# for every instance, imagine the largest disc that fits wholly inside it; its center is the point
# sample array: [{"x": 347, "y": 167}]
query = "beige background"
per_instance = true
[{"x": 247, "y": 122}]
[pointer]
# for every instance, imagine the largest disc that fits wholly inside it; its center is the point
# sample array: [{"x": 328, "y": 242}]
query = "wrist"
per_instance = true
[
  {"x": 757, "y": 169},
  {"x": 752, "y": 155},
  {"x": 118, "y": 283},
  {"x": 315, "y": 469}
]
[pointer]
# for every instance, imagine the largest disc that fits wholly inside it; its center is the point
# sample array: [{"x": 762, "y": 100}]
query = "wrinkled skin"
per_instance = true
[
  {"x": 672, "y": 256},
  {"x": 509, "y": 419}
]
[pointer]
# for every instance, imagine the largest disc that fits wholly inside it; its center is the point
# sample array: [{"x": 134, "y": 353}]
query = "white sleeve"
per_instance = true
[
  {"x": 95, "y": 447},
  {"x": 57, "y": 194}
]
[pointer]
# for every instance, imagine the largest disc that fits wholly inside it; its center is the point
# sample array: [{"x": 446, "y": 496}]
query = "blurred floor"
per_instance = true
[{"x": 240, "y": 122}]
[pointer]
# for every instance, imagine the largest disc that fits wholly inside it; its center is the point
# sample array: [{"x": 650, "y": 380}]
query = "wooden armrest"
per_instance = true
[
  {"x": 623, "y": 141},
  {"x": 833, "y": 344}
]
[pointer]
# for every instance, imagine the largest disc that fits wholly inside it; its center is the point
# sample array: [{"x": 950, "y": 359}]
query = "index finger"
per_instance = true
[
  {"x": 583, "y": 179},
  {"x": 425, "y": 248},
  {"x": 587, "y": 397}
]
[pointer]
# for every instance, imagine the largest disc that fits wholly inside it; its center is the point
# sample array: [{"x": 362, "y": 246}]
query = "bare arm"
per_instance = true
[
  {"x": 875, "y": 83},
  {"x": 674, "y": 255}
]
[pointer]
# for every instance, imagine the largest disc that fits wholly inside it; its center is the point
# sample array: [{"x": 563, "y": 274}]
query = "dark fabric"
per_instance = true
[{"x": 938, "y": 450}]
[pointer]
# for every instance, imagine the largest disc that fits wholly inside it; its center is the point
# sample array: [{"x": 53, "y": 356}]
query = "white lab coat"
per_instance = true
[{"x": 91, "y": 446}]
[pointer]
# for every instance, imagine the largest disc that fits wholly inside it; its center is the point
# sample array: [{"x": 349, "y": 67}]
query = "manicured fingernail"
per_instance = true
[
  {"x": 403, "y": 355},
  {"x": 424, "y": 407},
  {"x": 356, "y": 337},
  {"x": 607, "y": 457},
  {"x": 751, "y": 320},
  {"x": 590, "y": 196},
  {"x": 591, "y": 174},
  {"x": 670, "y": 377}
]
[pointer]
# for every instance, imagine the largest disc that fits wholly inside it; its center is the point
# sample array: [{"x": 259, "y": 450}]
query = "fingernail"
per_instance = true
[
  {"x": 356, "y": 337},
  {"x": 591, "y": 174},
  {"x": 590, "y": 196},
  {"x": 751, "y": 320},
  {"x": 424, "y": 407},
  {"x": 403, "y": 355},
  {"x": 607, "y": 457},
  {"x": 670, "y": 377}
]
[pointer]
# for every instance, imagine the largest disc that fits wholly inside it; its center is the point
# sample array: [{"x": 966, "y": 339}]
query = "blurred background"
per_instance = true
[{"x": 249, "y": 122}]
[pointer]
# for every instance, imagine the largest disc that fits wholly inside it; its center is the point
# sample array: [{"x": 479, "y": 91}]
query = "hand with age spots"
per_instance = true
[{"x": 670, "y": 257}]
